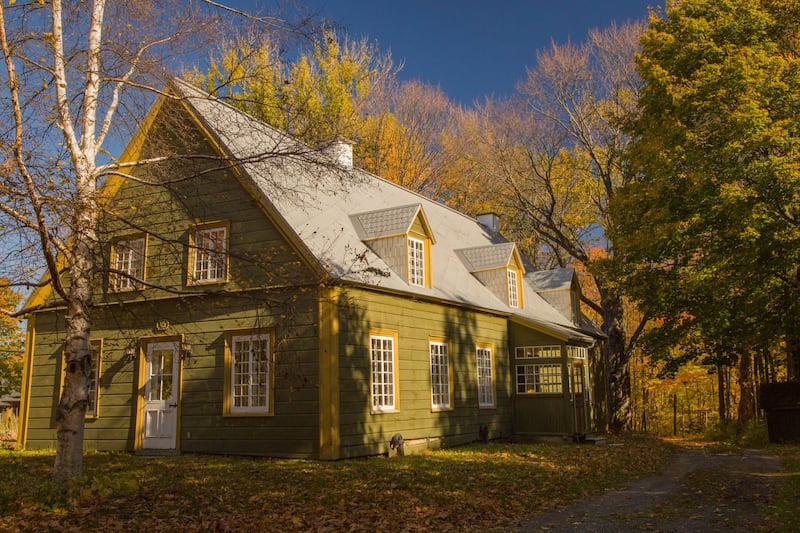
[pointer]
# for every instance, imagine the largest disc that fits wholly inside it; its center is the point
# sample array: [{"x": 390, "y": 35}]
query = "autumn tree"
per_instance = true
[
  {"x": 707, "y": 235},
  {"x": 344, "y": 88},
  {"x": 555, "y": 156},
  {"x": 76, "y": 78},
  {"x": 407, "y": 137},
  {"x": 10, "y": 341},
  {"x": 317, "y": 97}
]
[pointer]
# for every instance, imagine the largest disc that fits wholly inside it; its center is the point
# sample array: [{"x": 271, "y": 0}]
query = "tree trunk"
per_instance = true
[
  {"x": 618, "y": 378},
  {"x": 746, "y": 393},
  {"x": 71, "y": 411},
  {"x": 722, "y": 411}
]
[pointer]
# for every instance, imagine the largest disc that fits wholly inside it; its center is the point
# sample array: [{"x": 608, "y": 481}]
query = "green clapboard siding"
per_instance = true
[
  {"x": 363, "y": 432},
  {"x": 540, "y": 414},
  {"x": 259, "y": 256},
  {"x": 203, "y": 323}
]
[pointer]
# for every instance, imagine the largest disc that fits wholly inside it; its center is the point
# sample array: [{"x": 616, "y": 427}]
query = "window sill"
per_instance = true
[
  {"x": 383, "y": 411},
  {"x": 248, "y": 415}
]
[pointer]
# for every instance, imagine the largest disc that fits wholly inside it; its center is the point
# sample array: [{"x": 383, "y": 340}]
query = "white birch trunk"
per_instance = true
[{"x": 71, "y": 411}]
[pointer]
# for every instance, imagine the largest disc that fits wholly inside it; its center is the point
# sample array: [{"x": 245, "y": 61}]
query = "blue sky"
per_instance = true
[{"x": 474, "y": 48}]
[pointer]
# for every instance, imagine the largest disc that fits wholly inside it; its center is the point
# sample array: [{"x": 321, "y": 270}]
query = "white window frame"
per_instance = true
[
  {"x": 513, "y": 288},
  {"x": 440, "y": 375},
  {"x": 577, "y": 352},
  {"x": 383, "y": 384},
  {"x": 539, "y": 378},
  {"x": 210, "y": 254},
  {"x": 484, "y": 356},
  {"x": 129, "y": 262},
  {"x": 416, "y": 262},
  {"x": 250, "y": 374},
  {"x": 534, "y": 352}
]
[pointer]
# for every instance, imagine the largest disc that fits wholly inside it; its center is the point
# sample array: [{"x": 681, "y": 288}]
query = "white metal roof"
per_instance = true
[{"x": 324, "y": 206}]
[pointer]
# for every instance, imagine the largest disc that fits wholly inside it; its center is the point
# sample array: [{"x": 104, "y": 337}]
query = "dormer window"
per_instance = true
[
  {"x": 513, "y": 288},
  {"x": 402, "y": 238},
  {"x": 499, "y": 267},
  {"x": 416, "y": 262}
]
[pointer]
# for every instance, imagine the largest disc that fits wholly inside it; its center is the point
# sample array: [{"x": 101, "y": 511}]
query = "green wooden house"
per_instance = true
[{"x": 264, "y": 297}]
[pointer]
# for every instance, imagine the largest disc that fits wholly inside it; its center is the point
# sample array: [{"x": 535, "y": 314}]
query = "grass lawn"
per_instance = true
[
  {"x": 784, "y": 509},
  {"x": 477, "y": 487}
]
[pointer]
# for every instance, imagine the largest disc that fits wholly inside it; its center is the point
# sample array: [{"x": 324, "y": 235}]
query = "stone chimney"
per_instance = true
[
  {"x": 490, "y": 221},
  {"x": 341, "y": 151}
]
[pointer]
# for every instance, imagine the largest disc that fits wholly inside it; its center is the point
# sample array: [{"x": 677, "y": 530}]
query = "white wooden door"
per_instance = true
[{"x": 161, "y": 396}]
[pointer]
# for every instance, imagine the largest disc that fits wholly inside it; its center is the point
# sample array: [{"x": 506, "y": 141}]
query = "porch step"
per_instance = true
[
  {"x": 154, "y": 452},
  {"x": 595, "y": 439}
]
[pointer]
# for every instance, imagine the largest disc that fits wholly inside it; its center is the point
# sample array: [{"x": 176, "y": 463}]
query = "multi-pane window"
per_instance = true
[
  {"x": 485, "y": 380},
  {"x": 160, "y": 375},
  {"x": 416, "y": 262},
  {"x": 440, "y": 376},
  {"x": 250, "y": 374},
  {"x": 210, "y": 254},
  {"x": 128, "y": 262},
  {"x": 576, "y": 352},
  {"x": 513, "y": 289},
  {"x": 382, "y": 355},
  {"x": 529, "y": 352},
  {"x": 538, "y": 378}
]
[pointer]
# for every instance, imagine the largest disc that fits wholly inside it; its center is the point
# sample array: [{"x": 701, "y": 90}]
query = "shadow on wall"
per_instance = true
[{"x": 367, "y": 432}]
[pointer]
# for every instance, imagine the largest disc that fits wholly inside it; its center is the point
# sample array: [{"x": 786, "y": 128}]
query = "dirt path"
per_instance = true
[{"x": 698, "y": 491}]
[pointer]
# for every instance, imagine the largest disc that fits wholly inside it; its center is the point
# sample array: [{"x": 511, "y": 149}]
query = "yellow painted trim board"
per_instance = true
[
  {"x": 27, "y": 374},
  {"x": 329, "y": 436},
  {"x": 140, "y": 388}
]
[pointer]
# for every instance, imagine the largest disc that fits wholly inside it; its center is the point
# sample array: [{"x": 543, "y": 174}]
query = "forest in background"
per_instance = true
[{"x": 659, "y": 158}]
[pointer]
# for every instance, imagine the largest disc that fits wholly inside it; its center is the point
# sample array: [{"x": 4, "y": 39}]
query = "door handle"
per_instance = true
[{"x": 172, "y": 404}]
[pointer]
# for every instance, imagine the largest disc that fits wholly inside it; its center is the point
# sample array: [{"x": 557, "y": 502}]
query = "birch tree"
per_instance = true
[{"x": 76, "y": 79}]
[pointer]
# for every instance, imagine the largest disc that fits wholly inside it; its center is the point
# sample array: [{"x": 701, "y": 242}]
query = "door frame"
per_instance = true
[
  {"x": 141, "y": 383},
  {"x": 580, "y": 407}
]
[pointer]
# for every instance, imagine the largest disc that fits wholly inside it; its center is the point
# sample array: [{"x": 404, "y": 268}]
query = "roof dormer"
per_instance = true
[
  {"x": 561, "y": 289},
  {"x": 402, "y": 237},
  {"x": 499, "y": 267}
]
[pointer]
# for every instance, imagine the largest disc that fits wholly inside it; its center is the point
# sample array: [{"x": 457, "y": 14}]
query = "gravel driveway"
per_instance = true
[{"x": 699, "y": 490}]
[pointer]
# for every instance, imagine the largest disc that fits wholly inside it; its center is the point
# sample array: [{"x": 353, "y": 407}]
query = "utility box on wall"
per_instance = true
[{"x": 781, "y": 402}]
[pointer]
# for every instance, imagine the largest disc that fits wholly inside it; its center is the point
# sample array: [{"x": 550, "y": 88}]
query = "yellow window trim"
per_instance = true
[
  {"x": 379, "y": 332},
  {"x": 200, "y": 226},
  {"x": 113, "y": 260},
  {"x": 445, "y": 341},
  {"x": 426, "y": 250},
  {"x": 520, "y": 299},
  {"x": 227, "y": 391},
  {"x": 488, "y": 346}
]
